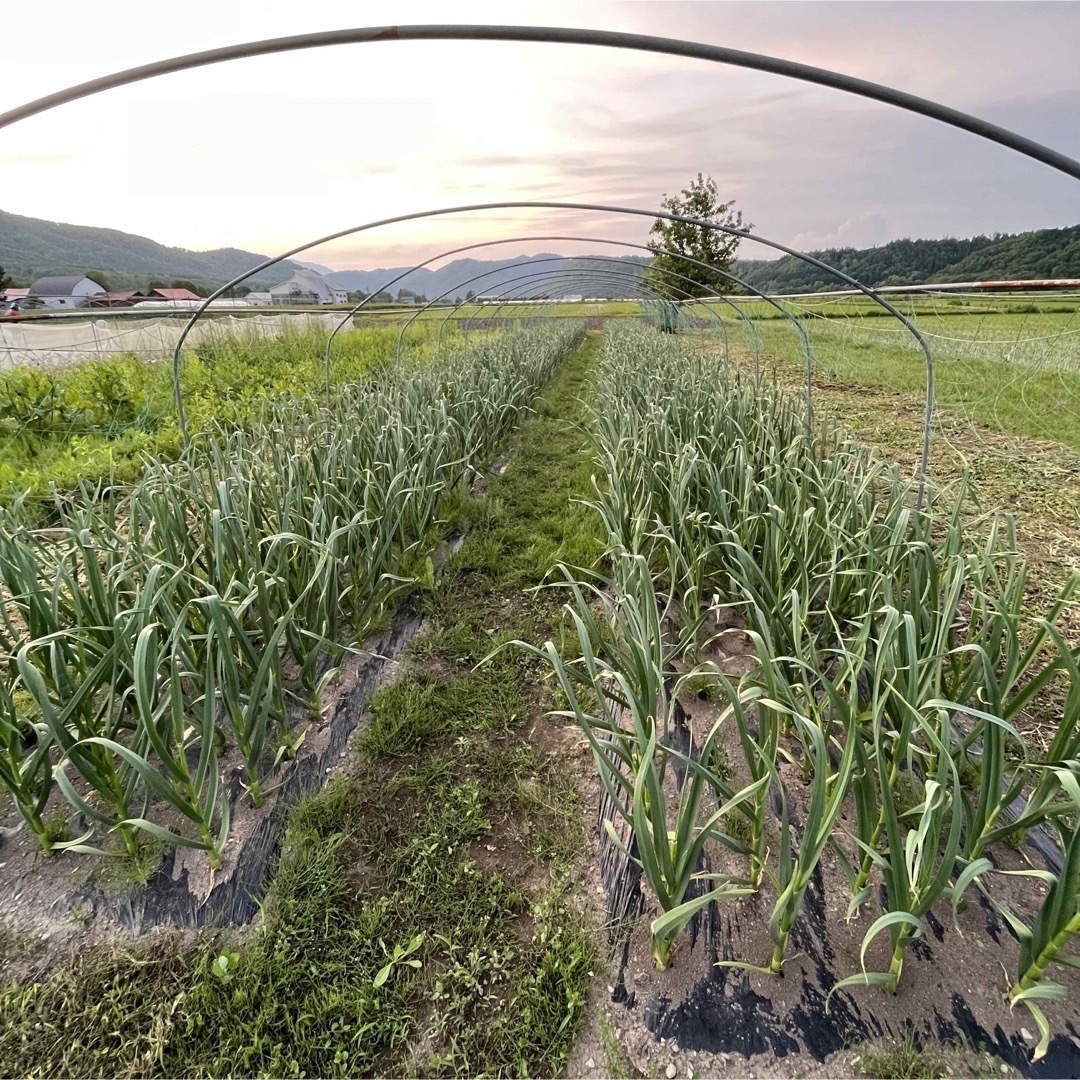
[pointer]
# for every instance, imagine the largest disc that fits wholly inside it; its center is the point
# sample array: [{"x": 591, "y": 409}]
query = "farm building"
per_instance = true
[
  {"x": 172, "y": 294},
  {"x": 72, "y": 291},
  {"x": 121, "y": 298},
  {"x": 308, "y": 287}
]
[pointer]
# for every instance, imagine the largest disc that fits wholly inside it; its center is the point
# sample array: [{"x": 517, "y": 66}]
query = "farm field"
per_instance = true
[
  {"x": 998, "y": 365},
  {"x": 391, "y": 656},
  {"x": 98, "y": 421}
]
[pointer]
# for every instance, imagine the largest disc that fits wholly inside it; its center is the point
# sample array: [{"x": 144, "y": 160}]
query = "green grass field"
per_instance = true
[
  {"x": 1015, "y": 372},
  {"x": 101, "y": 420}
]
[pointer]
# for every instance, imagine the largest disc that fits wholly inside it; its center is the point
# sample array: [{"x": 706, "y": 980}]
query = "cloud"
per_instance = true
[
  {"x": 309, "y": 143},
  {"x": 858, "y": 231}
]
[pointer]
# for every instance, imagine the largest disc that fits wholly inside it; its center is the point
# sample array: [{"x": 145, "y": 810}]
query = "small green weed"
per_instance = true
[{"x": 912, "y": 1059}]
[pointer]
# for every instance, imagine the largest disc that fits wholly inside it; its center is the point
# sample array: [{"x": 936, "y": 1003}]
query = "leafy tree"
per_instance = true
[
  {"x": 100, "y": 277},
  {"x": 5, "y": 279},
  {"x": 700, "y": 200}
]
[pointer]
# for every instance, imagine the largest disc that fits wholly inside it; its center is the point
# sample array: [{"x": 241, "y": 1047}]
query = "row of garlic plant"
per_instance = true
[
  {"x": 894, "y": 651},
  {"x": 157, "y": 635}
]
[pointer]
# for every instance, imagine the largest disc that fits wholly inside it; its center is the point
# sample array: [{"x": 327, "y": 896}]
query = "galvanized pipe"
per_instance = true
[{"x": 558, "y": 35}]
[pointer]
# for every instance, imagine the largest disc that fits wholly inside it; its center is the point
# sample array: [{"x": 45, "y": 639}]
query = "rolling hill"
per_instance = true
[
  {"x": 31, "y": 248},
  {"x": 1044, "y": 253}
]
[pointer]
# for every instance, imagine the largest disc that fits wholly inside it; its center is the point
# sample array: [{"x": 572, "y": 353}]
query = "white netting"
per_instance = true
[{"x": 57, "y": 343}]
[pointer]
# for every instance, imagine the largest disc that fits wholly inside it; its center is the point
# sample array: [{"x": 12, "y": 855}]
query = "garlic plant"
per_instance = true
[
  {"x": 201, "y": 610},
  {"x": 894, "y": 654}
]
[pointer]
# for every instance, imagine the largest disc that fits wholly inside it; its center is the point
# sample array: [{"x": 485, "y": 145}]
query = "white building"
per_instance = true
[
  {"x": 73, "y": 291},
  {"x": 308, "y": 287}
]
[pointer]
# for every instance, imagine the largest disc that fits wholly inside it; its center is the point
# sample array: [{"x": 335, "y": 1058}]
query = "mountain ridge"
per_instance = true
[
  {"x": 32, "y": 248},
  {"x": 1040, "y": 253}
]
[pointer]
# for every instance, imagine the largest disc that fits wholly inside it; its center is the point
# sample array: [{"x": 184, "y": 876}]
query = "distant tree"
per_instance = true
[
  {"x": 357, "y": 296},
  {"x": 182, "y": 283},
  {"x": 382, "y": 297},
  {"x": 670, "y": 239},
  {"x": 101, "y": 278},
  {"x": 5, "y": 279},
  {"x": 470, "y": 295}
]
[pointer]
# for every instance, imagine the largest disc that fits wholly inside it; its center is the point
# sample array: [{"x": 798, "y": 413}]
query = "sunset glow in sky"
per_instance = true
[{"x": 263, "y": 154}]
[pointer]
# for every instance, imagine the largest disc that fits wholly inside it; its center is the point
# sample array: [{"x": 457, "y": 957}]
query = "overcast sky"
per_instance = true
[{"x": 264, "y": 154}]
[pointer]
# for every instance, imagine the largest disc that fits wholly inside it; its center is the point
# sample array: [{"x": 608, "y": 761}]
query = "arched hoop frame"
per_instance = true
[
  {"x": 632, "y": 211},
  {"x": 622, "y": 277},
  {"x": 751, "y": 289},
  {"x": 571, "y": 36}
]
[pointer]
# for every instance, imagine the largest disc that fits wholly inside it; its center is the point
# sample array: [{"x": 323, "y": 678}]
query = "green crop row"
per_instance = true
[
  {"x": 152, "y": 638},
  {"x": 894, "y": 661},
  {"x": 103, "y": 419}
]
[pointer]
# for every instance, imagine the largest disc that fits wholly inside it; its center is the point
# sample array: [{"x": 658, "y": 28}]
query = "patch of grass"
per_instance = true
[
  {"x": 1017, "y": 374},
  {"x": 912, "y": 1059},
  {"x": 408, "y": 714},
  {"x": 132, "y": 868},
  {"x": 619, "y": 1066},
  {"x": 56, "y": 828},
  {"x": 13, "y": 944}
]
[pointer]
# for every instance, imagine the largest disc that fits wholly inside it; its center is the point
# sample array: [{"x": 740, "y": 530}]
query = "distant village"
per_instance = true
[
  {"x": 72, "y": 291},
  {"x": 306, "y": 288}
]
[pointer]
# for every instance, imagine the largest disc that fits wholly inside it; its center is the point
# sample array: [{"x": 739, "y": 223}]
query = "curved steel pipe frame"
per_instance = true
[
  {"x": 753, "y": 290},
  {"x": 600, "y": 208},
  {"x": 645, "y": 294},
  {"x": 518, "y": 290},
  {"x": 520, "y": 293},
  {"x": 584, "y": 240},
  {"x": 355, "y": 310},
  {"x": 558, "y": 35},
  {"x": 571, "y": 36},
  {"x": 576, "y": 273}
]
